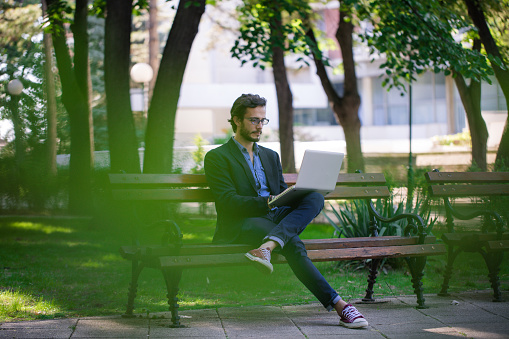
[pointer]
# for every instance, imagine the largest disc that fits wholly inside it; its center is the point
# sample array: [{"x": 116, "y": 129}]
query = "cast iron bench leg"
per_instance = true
[
  {"x": 172, "y": 279},
  {"x": 493, "y": 261},
  {"x": 451, "y": 256},
  {"x": 136, "y": 269},
  {"x": 416, "y": 266},
  {"x": 373, "y": 272}
]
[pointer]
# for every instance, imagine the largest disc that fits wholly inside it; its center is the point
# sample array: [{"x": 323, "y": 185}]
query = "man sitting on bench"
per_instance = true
[{"x": 242, "y": 176}]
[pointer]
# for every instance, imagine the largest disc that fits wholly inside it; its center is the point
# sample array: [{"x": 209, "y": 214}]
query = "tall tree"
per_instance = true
[
  {"x": 269, "y": 30},
  {"x": 123, "y": 144},
  {"x": 159, "y": 138},
  {"x": 51, "y": 102},
  {"x": 283, "y": 91},
  {"x": 153, "y": 43},
  {"x": 74, "y": 76},
  {"x": 498, "y": 62},
  {"x": 416, "y": 37},
  {"x": 345, "y": 107},
  {"x": 470, "y": 95}
]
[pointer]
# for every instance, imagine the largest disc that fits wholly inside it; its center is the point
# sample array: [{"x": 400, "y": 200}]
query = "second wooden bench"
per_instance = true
[{"x": 489, "y": 236}]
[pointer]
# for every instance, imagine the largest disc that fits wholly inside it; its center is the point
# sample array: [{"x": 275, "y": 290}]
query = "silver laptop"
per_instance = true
[{"x": 318, "y": 173}]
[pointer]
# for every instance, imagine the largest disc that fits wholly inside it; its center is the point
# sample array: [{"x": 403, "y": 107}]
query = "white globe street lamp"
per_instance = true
[
  {"x": 142, "y": 73},
  {"x": 15, "y": 87}
]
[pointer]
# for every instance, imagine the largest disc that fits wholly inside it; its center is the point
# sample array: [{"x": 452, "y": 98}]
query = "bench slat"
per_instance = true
[
  {"x": 317, "y": 244},
  {"x": 205, "y": 194},
  {"x": 128, "y": 252},
  {"x": 199, "y": 180},
  {"x": 191, "y": 261},
  {"x": 159, "y": 179},
  {"x": 170, "y": 195},
  {"x": 467, "y": 177},
  {"x": 468, "y": 190},
  {"x": 458, "y": 237},
  {"x": 497, "y": 245},
  {"x": 376, "y": 252},
  {"x": 359, "y": 193}
]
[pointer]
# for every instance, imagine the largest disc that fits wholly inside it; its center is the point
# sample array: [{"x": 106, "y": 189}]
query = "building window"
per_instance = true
[
  {"x": 428, "y": 102},
  {"x": 492, "y": 96},
  {"x": 313, "y": 117}
]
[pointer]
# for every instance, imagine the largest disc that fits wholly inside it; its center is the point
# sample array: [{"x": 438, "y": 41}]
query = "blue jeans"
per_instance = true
[{"x": 283, "y": 225}]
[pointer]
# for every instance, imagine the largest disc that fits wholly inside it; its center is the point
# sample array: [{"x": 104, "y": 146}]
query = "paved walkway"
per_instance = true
[{"x": 465, "y": 315}]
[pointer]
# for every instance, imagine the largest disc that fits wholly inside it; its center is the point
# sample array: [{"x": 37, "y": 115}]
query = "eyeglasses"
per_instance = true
[{"x": 256, "y": 121}]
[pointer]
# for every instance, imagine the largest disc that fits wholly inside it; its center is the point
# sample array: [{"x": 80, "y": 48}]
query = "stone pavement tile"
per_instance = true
[
  {"x": 60, "y": 328},
  {"x": 251, "y": 312},
  {"x": 484, "y": 331},
  {"x": 41, "y": 324},
  {"x": 418, "y": 330},
  {"x": 304, "y": 309},
  {"x": 37, "y": 333},
  {"x": 270, "y": 327},
  {"x": 197, "y": 327},
  {"x": 313, "y": 326},
  {"x": 111, "y": 328}
]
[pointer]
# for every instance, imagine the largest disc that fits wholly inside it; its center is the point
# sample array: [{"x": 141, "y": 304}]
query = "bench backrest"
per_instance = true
[
  {"x": 194, "y": 187},
  {"x": 467, "y": 184}
]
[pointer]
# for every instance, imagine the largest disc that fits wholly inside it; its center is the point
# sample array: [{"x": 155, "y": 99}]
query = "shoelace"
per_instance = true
[
  {"x": 265, "y": 253},
  {"x": 351, "y": 313}
]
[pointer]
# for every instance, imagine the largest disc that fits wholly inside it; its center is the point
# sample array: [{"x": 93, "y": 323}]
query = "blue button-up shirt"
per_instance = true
[{"x": 256, "y": 168}]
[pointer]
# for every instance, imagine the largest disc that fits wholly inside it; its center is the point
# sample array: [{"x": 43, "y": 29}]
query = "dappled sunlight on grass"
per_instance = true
[
  {"x": 21, "y": 305},
  {"x": 63, "y": 268},
  {"x": 48, "y": 229}
]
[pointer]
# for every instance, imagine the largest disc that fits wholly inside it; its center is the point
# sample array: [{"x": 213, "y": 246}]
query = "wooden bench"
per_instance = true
[
  {"x": 174, "y": 256},
  {"x": 489, "y": 237}
]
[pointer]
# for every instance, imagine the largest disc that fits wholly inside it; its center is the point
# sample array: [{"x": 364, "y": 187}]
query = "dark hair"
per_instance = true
[{"x": 243, "y": 102}]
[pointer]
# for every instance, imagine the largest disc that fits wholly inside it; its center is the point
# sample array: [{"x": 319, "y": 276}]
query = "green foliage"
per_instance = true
[
  {"x": 353, "y": 217},
  {"x": 267, "y": 24},
  {"x": 459, "y": 139},
  {"x": 198, "y": 155},
  {"x": 416, "y": 36}
]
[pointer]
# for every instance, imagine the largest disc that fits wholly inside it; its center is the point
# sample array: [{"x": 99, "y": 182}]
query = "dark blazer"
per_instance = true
[{"x": 234, "y": 187}]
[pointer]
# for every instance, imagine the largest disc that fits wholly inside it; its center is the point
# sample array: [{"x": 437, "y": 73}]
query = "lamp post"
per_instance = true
[
  {"x": 410, "y": 178},
  {"x": 142, "y": 73},
  {"x": 15, "y": 87}
]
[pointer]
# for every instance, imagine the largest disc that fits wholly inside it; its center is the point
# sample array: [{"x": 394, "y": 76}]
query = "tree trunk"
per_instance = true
[
  {"x": 163, "y": 107},
  {"x": 121, "y": 130},
  {"x": 19, "y": 135},
  {"x": 346, "y": 107},
  {"x": 476, "y": 13},
  {"x": 153, "y": 44},
  {"x": 471, "y": 99},
  {"x": 75, "y": 99},
  {"x": 284, "y": 97},
  {"x": 51, "y": 104},
  {"x": 347, "y": 110}
]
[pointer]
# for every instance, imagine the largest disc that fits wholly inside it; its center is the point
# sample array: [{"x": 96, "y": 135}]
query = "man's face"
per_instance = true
[{"x": 245, "y": 129}]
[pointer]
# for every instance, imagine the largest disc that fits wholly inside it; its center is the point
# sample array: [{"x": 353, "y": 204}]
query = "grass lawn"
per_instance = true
[{"x": 62, "y": 268}]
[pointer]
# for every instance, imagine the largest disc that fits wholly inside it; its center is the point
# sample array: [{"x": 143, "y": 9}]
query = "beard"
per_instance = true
[{"x": 250, "y": 135}]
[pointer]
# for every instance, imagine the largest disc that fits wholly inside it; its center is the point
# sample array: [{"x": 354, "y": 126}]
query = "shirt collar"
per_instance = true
[{"x": 256, "y": 148}]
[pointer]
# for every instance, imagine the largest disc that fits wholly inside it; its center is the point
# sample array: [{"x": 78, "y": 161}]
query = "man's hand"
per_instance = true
[{"x": 269, "y": 200}]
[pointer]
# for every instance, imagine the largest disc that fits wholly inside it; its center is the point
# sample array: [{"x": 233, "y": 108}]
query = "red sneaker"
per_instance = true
[
  {"x": 261, "y": 256},
  {"x": 352, "y": 318}
]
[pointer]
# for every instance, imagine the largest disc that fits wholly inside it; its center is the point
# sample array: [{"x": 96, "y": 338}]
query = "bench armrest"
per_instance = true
[
  {"x": 490, "y": 217},
  {"x": 416, "y": 224}
]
